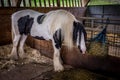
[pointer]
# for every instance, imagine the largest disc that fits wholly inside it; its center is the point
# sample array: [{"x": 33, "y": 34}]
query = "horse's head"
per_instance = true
[{"x": 79, "y": 36}]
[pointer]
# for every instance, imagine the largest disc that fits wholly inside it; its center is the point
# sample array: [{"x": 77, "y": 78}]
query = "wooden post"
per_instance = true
[{"x": 85, "y": 2}]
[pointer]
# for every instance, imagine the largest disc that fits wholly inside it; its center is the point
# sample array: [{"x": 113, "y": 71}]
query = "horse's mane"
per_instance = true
[{"x": 63, "y": 20}]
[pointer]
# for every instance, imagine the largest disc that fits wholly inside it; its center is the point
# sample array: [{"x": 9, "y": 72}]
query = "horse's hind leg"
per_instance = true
[
  {"x": 21, "y": 45},
  {"x": 14, "y": 52}
]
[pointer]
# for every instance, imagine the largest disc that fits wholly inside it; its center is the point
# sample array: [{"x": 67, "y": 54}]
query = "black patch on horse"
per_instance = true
[
  {"x": 78, "y": 29},
  {"x": 40, "y": 18},
  {"x": 57, "y": 39},
  {"x": 40, "y": 38},
  {"x": 25, "y": 24}
]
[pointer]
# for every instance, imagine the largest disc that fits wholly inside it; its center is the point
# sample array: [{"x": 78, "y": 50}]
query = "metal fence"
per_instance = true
[{"x": 95, "y": 26}]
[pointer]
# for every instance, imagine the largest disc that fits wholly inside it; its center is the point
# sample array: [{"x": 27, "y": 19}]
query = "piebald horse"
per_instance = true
[{"x": 59, "y": 26}]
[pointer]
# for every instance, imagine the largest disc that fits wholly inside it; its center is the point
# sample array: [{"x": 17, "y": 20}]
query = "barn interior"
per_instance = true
[{"x": 101, "y": 61}]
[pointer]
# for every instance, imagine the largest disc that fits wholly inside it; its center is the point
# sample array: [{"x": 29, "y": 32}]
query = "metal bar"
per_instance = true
[{"x": 92, "y": 25}]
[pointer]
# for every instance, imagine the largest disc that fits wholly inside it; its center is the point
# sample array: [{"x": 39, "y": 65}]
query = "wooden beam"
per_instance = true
[{"x": 85, "y": 2}]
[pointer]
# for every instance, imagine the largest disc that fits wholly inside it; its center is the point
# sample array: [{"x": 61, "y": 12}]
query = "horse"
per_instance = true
[{"x": 59, "y": 26}]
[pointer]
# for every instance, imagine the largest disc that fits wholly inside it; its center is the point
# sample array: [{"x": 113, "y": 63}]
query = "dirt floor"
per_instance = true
[{"x": 38, "y": 67}]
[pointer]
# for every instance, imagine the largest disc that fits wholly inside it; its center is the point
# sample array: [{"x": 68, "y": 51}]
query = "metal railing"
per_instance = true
[{"x": 95, "y": 25}]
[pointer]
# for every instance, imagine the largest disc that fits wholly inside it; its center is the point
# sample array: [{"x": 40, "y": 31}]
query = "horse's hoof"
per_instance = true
[
  {"x": 22, "y": 56},
  {"x": 58, "y": 68}
]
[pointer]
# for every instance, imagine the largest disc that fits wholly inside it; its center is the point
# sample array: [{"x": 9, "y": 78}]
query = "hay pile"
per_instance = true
[{"x": 32, "y": 56}]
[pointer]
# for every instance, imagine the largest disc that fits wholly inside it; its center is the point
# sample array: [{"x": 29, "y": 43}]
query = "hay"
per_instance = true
[
  {"x": 97, "y": 49},
  {"x": 32, "y": 56}
]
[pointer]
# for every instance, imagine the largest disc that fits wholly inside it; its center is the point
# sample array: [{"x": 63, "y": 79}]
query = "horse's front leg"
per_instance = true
[
  {"x": 57, "y": 62},
  {"x": 57, "y": 42}
]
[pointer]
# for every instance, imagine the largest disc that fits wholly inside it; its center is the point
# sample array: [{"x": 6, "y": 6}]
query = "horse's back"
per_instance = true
[
  {"x": 22, "y": 13},
  {"x": 58, "y": 19}
]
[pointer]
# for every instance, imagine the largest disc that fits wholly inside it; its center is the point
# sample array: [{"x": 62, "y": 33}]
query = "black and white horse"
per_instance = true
[{"x": 60, "y": 26}]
